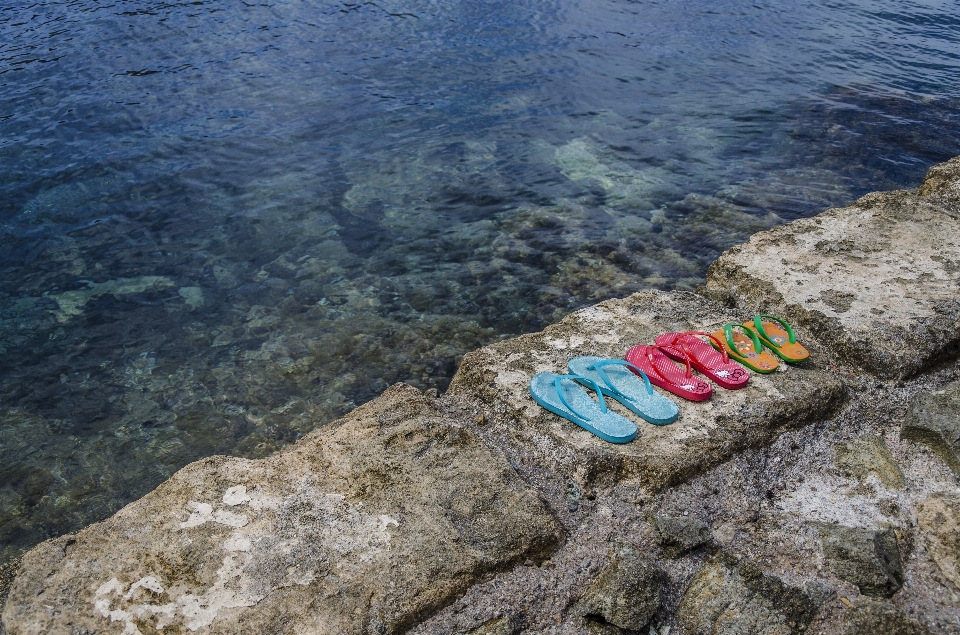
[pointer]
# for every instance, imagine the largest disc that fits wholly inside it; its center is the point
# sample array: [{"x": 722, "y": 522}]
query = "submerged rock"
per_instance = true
[
  {"x": 367, "y": 525},
  {"x": 865, "y": 455},
  {"x": 934, "y": 420},
  {"x": 626, "y": 592},
  {"x": 679, "y": 534},
  {"x": 939, "y": 517},
  {"x": 732, "y": 596},
  {"x": 852, "y": 275},
  {"x": 872, "y": 617},
  {"x": 867, "y": 558}
]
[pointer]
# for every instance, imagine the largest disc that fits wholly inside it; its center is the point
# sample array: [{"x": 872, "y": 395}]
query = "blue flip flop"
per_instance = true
[
  {"x": 614, "y": 379},
  {"x": 564, "y": 395}
]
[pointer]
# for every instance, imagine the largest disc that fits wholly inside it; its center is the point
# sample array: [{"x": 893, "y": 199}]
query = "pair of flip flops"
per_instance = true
[
  {"x": 564, "y": 395},
  {"x": 745, "y": 343},
  {"x": 657, "y": 362}
]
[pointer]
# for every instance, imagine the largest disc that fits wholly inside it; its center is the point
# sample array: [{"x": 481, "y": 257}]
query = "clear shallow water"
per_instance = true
[{"x": 226, "y": 223}]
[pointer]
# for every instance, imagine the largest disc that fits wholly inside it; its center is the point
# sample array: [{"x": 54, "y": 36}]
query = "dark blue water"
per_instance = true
[{"x": 226, "y": 223}]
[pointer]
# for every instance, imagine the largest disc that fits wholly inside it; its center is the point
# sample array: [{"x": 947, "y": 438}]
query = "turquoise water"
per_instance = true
[{"x": 226, "y": 223}]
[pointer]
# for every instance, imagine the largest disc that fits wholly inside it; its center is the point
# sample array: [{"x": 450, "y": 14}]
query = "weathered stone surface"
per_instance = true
[
  {"x": 867, "y": 558},
  {"x": 728, "y": 597},
  {"x": 865, "y": 455},
  {"x": 364, "y": 526},
  {"x": 878, "y": 281},
  {"x": 496, "y": 378},
  {"x": 679, "y": 534},
  {"x": 939, "y": 517},
  {"x": 872, "y": 617},
  {"x": 626, "y": 592},
  {"x": 934, "y": 420},
  {"x": 498, "y": 626},
  {"x": 942, "y": 184}
]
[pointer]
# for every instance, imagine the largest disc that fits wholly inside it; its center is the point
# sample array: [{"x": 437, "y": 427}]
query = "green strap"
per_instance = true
[
  {"x": 758, "y": 323},
  {"x": 728, "y": 334}
]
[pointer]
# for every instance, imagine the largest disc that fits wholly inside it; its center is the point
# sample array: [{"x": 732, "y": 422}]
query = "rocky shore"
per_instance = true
[{"x": 822, "y": 498}]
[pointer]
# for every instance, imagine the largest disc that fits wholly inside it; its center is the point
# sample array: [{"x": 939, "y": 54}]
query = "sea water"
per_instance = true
[{"x": 224, "y": 224}]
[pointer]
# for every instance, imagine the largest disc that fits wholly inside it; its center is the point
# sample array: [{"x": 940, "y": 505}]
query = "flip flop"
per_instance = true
[
  {"x": 779, "y": 336},
  {"x": 662, "y": 372},
  {"x": 564, "y": 396},
  {"x": 713, "y": 363},
  {"x": 745, "y": 348},
  {"x": 614, "y": 379}
]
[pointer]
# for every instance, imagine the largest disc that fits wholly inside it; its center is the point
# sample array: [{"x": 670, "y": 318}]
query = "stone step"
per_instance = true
[
  {"x": 877, "y": 282},
  {"x": 496, "y": 378}
]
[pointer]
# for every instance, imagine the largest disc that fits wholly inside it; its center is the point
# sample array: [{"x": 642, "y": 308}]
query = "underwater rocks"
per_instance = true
[
  {"x": 496, "y": 380},
  {"x": 365, "y": 526},
  {"x": 790, "y": 506},
  {"x": 876, "y": 281}
]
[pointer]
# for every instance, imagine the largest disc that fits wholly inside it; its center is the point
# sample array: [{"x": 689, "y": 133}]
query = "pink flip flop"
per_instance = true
[
  {"x": 662, "y": 372},
  {"x": 717, "y": 365}
]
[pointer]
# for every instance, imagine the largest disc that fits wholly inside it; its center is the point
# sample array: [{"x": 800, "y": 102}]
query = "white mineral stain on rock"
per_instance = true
[
  {"x": 200, "y": 610},
  {"x": 386, "y": 521},
  {"x": 199, "y": 514},
  {"x": 237, "y": 542},
  {"x": 149, "y": 583},
  {"x": 556, "y": 342},
  {"x": 109, "y": 587},
  {"x": 230, "y": 519},
  {"x": 236, "y": 495}
]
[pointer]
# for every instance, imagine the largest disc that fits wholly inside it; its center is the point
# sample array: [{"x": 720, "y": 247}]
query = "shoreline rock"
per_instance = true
[
  {"x": 478, "y": 512},
  {"x": 877, "y": 281},
  {"x": 375, "y": 523}
]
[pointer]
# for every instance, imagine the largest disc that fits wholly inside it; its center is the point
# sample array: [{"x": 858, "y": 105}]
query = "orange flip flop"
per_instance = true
[
  {"x": 779, "y": 337},
  {"x": 744, "y": 347}
]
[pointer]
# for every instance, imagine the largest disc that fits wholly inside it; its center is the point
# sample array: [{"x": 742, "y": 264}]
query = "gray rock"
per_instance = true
[
  {"x": 939, "y": 517},
  {"x": 934, "y": 420},
  {"x": 732, "y": 597},
  {"x": 942, "y": 184},
  {"x": 876, "y": 281},
  {"x": 626, "y": 592},
  {"x": 601, "y": 628},
  {"x": 496, "y": 379},
  {"x": 679, "y": 534},
  {"x": 497, "y": 626},
  {"x": 867, "y": 558},
  {"x": 364, "y": 526},
  {"x": 865, "y": 455},
  {"x": 873, "y": 617},
  {"x": 8, "y": 571}
]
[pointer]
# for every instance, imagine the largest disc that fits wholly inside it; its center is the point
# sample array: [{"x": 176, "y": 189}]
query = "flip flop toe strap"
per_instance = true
[
  {"x": 558, "y": 380},
  {"x": 728, "y": 335},
  {"x": 598, "y": 366},
  {"x": 686, "y": 358},
  {"x": 758, "y": 324},
  {"x": 686, "y": 349}
]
